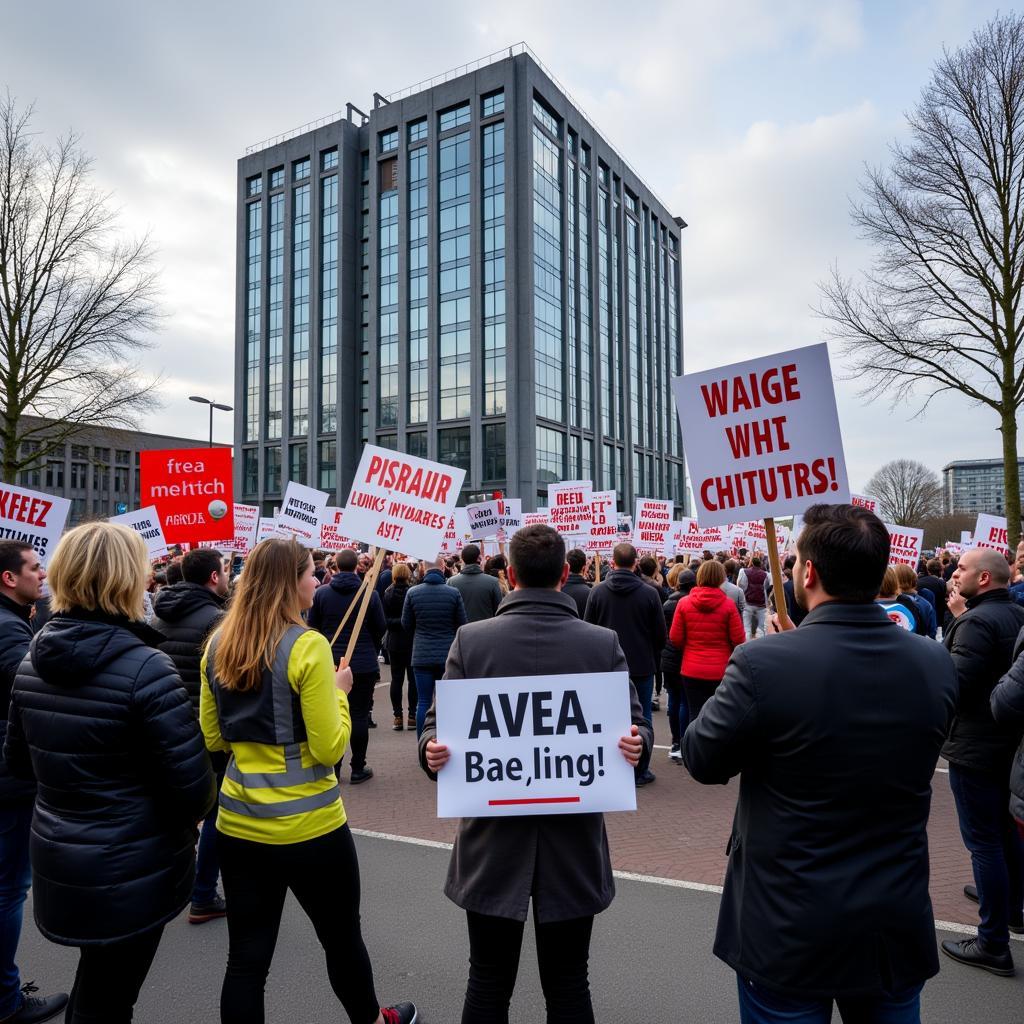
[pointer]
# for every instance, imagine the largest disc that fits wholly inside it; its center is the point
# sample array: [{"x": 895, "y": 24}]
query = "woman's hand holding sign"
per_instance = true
[
  {"x": 437, "y": 755},
  {"x": 632, "y": 746}
]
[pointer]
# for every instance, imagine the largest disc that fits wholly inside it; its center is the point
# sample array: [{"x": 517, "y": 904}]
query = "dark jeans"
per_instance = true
[
  {"x": 696, "y": 693},
  {"x": 645, "y": 691},
  {"x": 401, "y": 671},
  {"x": 759, "y": 1005},
  {"x": 323, "y": 874},
  {"x": 678, "y": 715},
  {"x": 109, "y": 979},
  {"x": 15, "y": 879},
  {"x": 563, "y": 950},
  {"x": 986, "y": 828},
  {"x": 425, "y": 676},
  {"x": 360, "y": 700},
  {"x": 204, "y": 890}
]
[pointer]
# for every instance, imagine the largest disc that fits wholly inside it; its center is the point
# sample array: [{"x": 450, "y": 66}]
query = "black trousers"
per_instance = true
[
  {"x": 401, "y": 672},
  {"x": 698, "y": 692},
  {"x": 563, "y": 951},
  {"x": 323, "y": 874},
  {"x": 109, "y": 979},
  {"x": 360, "y": 701}
]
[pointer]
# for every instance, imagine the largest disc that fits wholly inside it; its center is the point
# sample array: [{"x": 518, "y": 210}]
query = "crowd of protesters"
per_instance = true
[{"x": 140, "y": 700}]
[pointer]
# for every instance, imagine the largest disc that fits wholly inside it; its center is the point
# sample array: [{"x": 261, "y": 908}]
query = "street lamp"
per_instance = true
[{"x": 212, "y": 405}]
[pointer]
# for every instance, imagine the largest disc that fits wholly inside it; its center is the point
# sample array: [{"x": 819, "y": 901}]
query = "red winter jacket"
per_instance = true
[{"x": 706, "y": 628}]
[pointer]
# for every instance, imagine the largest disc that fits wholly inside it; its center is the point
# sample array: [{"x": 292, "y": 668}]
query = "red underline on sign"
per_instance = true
[{"x": 536, "y": 800}]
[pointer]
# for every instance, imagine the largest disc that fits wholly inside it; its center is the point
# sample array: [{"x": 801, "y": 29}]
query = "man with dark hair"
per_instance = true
[
  {"x": 173, "y": 573},
  {"x": 21, "y": 585},
  {"x": 981, "y": 636},
  {"x": 624, "y": 603},
  {"x": 835, "y": 729},
  {"x": 559, "y": 861},
  {"x": 187, "y": 613},
  {"x": 481, "y": 592},
  {"x": 575, "y": 585}
]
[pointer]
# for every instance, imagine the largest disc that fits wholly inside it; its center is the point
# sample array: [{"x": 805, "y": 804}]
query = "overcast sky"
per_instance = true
[{"x": 752, "y": 120}]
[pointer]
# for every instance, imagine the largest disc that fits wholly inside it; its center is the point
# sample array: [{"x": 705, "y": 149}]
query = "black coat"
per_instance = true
[
  {"x": 632, "y": 608},
  {"x": 579, "y": 590},
  {"x": 1007, "y": 704},
  {"x": 15, "y": 636},
  {"x": 936, "y": 586},
  {"x": 330, "y": 602},
  {"x": 981, "y": 641},
  {"x": 560, "y": 860},
  {"x": 101, "y": 720},
  {"x": 186, "y": 614},
  {"x": 834, "y": 729},
  {"x": 394, "y": 602},
  {"x": 671, "y": 657}
]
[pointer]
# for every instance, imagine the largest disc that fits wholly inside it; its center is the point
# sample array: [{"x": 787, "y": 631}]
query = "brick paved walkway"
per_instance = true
[{"x": 679, "y": 831}]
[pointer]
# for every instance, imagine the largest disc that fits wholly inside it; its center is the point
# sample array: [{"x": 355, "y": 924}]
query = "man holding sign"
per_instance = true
[{"x": 559, "y": 860}]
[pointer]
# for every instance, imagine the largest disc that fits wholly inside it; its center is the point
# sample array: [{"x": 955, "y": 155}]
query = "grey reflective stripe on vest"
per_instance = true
[
  {"x": 299, "y": 805},
  {"x": 282, "y": 689},
  {"x": 293, "y": 775}
]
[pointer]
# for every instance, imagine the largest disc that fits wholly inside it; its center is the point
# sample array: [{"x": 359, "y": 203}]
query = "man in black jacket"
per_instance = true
[
  {"x": 575, "y": 585},
  {"x": 980, "y": 638},
  {"x": 21, "y": 585},
  {"x": 481, "y": 592},
  {"x": 835, "y": 730},
  {"x": 186, "y": 614},
  {"x": 632, "y": 608}
]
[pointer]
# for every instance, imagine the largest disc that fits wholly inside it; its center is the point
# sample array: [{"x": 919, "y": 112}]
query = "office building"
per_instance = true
[
  {"x": 976, "y": 485},
  {"x": 468, "y": 273}
]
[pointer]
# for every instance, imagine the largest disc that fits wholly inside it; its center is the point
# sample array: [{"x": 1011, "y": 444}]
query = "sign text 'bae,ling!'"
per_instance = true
[{"x": 762, "y": 437}]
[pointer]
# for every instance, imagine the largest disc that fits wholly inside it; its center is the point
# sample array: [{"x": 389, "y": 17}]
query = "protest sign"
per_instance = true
[
  {"x": 32, "y": 517},
  {"x": 267, "y": 528},
  {"x": 484, "y": 519},
  {"x": 762, "y": 437},
  {"x": 966, "y": 538},
  {"x": 510, "y": 517},
  {"x": 990, "y": 532},
  {"x": 952, "y": 547},
  {"x": 671, "y": 547},
  {"x": 332, "y": 537},
  {"x": 604, "y": 523},
  {"x": 651, "y": 522},
  {"x": 696, "y": 539},
  {"x": 247, "y": 522},
  {"x": 538, "y": 518},
  {"x": 146, "y": 523},
  {"x": 905, "y": 545},
  {"x": 456, "y": 535},
  {"x": 401, "y": 502},
  {"x": 569, "y": 506},
  {"x": 865, "y": 501},
  {"x": 534, "y": 745},
  {"x": 301, "y": 512},
  {"x": 192, "y": 490}
]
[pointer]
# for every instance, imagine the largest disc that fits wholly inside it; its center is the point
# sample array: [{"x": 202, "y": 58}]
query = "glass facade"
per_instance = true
[
  {"x": 387, "y": 305},
  {"x": 364, "y": 304},
  {"x": 300, "y": 310},
  {"x": 453, "y": 447},
  {"x": 253, "y": 316},
  {"x": 275, "y": 314},
  {"x": 419, "y": 339},
  {"x": 329, "y": 304},
  {"x": 494, "y": 339},
  {"x": 326, "y": 465},
  {"x": 298, "y": 458},
  {"x": 493, "y": 103},
  {"x": 550, "y": 459},
  {"x": 547, "y": 277},
  {"x": 456, "y": 117},
  {"x": 454, "y": 358}
]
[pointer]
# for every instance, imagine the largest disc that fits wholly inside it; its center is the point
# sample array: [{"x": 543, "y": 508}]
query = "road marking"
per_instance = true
[
  {"x": 630, "y": 876},
  {"x": 658, "y": 746}
]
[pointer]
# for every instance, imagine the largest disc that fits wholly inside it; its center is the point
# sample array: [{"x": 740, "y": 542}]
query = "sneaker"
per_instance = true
[
  {"x": 411, "y": 723},
  {"x": 397, "y": 725},
  {"x": 400, "y": 1013},
  {"x": 200, "y": 913},
  {"x": 357, "y": 777},
  {"x": 646, "y": 779},
  {"x": 371, "y": 723},
  {"x": 969, "y": 951},
  {"x": 1017, "y": 927},
  {"x": 674, "y": 753},
  {"x": 34, "y": 1009}
]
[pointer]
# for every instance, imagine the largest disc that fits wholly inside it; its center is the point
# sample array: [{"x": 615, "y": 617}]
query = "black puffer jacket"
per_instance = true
[
  {"x": 1007, "y": 705},
  {"x": 102, "y": 721},
  {"x": 394, "y": 602},
  {"x": 186, "y": 614},
  {"x": 15, "y": 636},
  {"x": 981, "y": 641},
  {"x": 671, "y": 656}
]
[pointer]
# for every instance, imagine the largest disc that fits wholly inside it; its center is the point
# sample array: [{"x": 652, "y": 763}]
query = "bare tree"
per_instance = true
[
  {"x": 75, "y": 300},
  {"x": 939, "y": 529},
  {"x": 940, "y": 310},
  {"x": 907, "y": 491}
]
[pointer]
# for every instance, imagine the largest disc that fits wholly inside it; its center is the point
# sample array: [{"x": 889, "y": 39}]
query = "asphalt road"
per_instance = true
[{"x": 650, "y": 960}]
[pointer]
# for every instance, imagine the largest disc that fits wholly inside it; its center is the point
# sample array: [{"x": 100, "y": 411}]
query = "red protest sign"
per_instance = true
[{"x": 192, "y": 490}]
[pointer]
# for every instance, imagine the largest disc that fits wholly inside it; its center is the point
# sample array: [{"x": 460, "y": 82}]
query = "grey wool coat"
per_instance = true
[{"x": 560, "y": 860}]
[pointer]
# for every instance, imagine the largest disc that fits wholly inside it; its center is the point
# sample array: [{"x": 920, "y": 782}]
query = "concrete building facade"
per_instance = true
[
  {"x": 469, "y": 273},
  {"x": 976, "y": 485}
]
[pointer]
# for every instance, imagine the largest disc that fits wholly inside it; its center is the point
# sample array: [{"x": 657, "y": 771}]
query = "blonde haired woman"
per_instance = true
[
  {"x": 272, "y": 699},
  {"x": 101, "y": 720}
]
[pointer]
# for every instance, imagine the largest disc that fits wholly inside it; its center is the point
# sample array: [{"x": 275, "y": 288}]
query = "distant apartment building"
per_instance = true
[
  {"x": 468, "y": 273},
  {"x": 97, "y": 469},
  {"x": 976, "y": 485}
]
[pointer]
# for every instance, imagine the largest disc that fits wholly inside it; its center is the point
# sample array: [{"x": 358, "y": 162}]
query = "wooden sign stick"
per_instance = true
[
  {"x": 597, "y": 568},
  {"x": 777, "y": 581},
  {"x": 349, "y": 610},
  {"x": 371, "y": 579}
]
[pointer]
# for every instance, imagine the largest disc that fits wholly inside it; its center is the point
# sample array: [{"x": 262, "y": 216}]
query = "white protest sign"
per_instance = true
[
  {"x": 534, "y": 745},
  {"x": 905, "y": 545},
  {"x": 538, "y": 518},
  {"x": 146, "y": 523},
  {"x": 569, "y": 506},
  {"x": 301, "y": 512},
  {"x": 625, "y": 528},
  {"x": 990, "y": 532},
  {"x": 331, "y": 525},
  {"x": 966, "y": 538},
  {"x": 651, "y": 522},
  {"x": 456, "y": 534},
  {"x": 762, "y": 437},
  {"x": 247, "y": 524},
  {"x": 604, "y": 523},
  {"x": 35, "y": 518},
  {"x": 510, "y": 516},
  {"x": 401, "y": 502},
  {"x": 952, "y": 547},
  {"x": 266, "y": 529},
  {"x": 697, "y": 539},
  {"x": 671, "y": 547},
  {"x": 484, "y": 519},
  {"x": 866, "y": 501}
]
